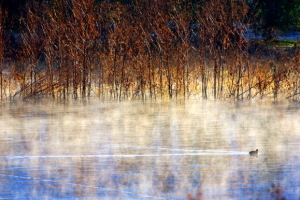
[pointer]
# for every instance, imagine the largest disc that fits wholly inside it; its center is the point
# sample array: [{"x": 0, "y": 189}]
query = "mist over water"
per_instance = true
[{"x": 146, "y": 150}]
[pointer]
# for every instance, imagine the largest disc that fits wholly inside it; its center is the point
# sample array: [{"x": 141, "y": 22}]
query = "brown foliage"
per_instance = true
[{"x": 174, "y": 49}]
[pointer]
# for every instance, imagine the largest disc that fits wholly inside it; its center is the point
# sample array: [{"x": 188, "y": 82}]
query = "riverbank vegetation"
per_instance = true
[{"x": 141, "y": 50}]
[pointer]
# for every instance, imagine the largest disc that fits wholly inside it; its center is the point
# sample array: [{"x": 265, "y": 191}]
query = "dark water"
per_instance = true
[{"x": 134, "y": 150}]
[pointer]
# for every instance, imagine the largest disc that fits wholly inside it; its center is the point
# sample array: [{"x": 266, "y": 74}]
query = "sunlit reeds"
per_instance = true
[{"x": 142, "y": 50}]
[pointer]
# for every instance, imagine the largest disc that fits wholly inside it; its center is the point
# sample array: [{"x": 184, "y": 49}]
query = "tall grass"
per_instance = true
[{"x": 143, "y": 50}]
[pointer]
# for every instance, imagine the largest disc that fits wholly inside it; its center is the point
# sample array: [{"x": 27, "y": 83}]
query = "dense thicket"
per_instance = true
[
  {"x": 269, "y": 16},
  {"x": 142, "y": 49}
]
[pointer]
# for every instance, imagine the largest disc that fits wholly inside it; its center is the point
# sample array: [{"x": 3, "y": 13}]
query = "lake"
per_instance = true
[{"x": 149, "y": 150}]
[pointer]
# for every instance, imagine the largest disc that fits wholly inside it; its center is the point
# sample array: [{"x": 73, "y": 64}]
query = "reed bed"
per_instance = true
[{"x": 142, "y": 50}]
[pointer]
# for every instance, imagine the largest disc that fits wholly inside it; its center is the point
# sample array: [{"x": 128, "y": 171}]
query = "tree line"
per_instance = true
[{"x": 140, "y": 50}]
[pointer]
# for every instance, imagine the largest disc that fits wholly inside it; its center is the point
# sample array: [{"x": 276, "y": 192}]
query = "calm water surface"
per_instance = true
[{"x": 135, "y": 150}]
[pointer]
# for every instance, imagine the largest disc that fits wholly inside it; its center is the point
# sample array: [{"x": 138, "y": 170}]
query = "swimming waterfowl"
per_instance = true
[{"x": 253, "y": 153}]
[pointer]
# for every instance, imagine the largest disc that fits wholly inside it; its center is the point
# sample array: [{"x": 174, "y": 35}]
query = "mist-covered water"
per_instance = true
[{"x": 149, "y": 150}]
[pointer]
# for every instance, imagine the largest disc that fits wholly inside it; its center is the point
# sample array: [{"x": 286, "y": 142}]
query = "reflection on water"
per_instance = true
[{"x": 135, "y": 150}]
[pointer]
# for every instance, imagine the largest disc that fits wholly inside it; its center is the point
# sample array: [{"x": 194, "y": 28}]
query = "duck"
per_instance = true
[{"x": 253, "y": 153}]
